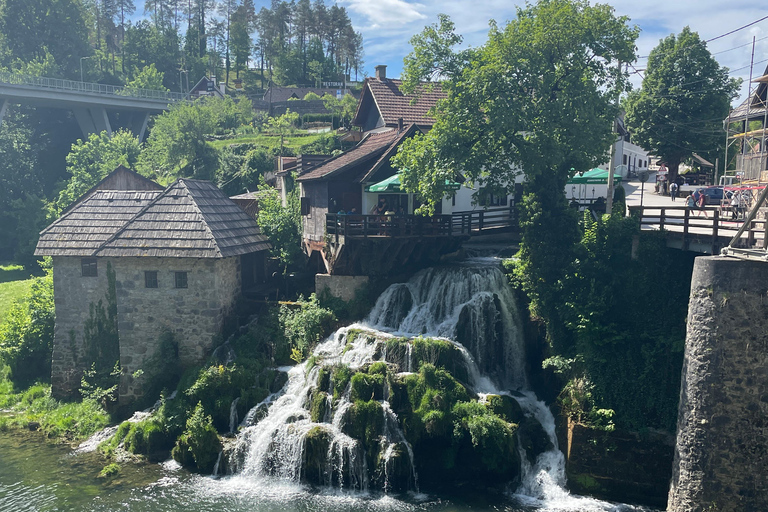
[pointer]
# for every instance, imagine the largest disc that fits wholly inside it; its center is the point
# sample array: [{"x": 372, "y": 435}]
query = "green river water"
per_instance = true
[{"x": 41, "y": 477}]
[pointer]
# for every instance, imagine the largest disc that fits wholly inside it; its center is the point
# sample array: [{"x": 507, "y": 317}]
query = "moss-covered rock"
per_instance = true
[
  {"x": 505, "y": 407},
  {"x": 316, "y": 444},
  {"x": 318, "y": 407},
  {"x": 393, "y": 469},
  {"x": 199, "y": 446},
  {"x": 340, "y": 375},
  {"x": 364, "y": 421},
  {"x": 366, "y": 386}
]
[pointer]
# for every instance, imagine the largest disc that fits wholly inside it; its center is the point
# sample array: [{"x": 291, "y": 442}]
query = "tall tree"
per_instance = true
[
  {"x": 684, "y": 98},
  {"x": 240, "y": 39},
  {"x": 537, "y": 99}
]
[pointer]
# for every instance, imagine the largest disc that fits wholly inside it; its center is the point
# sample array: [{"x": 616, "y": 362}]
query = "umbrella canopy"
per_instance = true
[
  {"x": 392, "y": 184},
  {"x": 594, "y": 176}
]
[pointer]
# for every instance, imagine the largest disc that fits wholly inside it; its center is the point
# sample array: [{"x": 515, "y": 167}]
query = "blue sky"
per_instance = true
[{"x": 387, "y": 25}]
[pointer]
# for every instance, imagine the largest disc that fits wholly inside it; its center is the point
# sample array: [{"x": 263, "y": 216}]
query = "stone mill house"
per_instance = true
[{"x": 146, "y": 262}]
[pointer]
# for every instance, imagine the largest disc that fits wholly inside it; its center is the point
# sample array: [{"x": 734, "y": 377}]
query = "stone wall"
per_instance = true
[
  {"x": 194, "y": 315},
  {"x": 721, "y": 454},
  {"x": 619, "y": 466},
  {"x": 342, "y": 287},
  {"x": 72, "y": 296}
]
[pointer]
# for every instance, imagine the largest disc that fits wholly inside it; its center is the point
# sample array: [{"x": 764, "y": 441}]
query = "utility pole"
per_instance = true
[{"x": 612, "y": 162}]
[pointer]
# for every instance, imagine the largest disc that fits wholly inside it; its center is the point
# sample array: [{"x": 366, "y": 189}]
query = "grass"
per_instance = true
[
  {"x": 14, "y": 284},
  {"x": 295, "y": 141},
  {"x": 64, "y": 421}
]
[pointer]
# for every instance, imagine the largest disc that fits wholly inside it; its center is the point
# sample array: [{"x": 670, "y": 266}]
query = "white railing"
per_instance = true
[{"x": 88, "y": 87}]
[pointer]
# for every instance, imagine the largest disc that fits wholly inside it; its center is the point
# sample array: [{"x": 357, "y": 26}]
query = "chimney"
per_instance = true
[
  {"x": 399, "y": 124},
  {"x": 381, "y": 72}
]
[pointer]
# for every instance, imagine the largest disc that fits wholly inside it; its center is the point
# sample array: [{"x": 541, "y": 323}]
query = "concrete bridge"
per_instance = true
[{"x": 97, "y": 107}]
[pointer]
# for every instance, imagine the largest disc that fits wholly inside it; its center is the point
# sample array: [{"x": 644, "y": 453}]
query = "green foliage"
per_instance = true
[
  {"x": 340, "y": 376},
  {"x": 199, "y": 445},
  {"x": 26, "y": 334},
  {"x": 70, "y": 421},
  {"x": 365, "y": 421},
  {"x": 684, "y": 98},
  {"x": 92, "y": 159},
  {"x": 177, "y": 145},
  {"x": 146, "y": 437},
  {"x": 304, "y": 326},
  {"x": 432, "y": 393},
  {"x": 367, "y": 386},
  {"x": 217, "y": 386},
  {"x": 281, "y": 225},
  {"x": 347, "y": 312},
  {"x": 282, "y": 126},
  {"x": 343, "y": 108},
  {"x": 489, "y": 127},
  {"x": 491, "y": 436},
  {"x": 110, "y": 470},
  {"x": 148, "y": 78},
  {"x": 242, "y": 166}
]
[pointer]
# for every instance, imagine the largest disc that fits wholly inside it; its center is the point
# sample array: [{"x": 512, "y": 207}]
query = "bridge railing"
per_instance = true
[
  {"x": 715, "y": 230},
  {"x": 88, "y": 87}
]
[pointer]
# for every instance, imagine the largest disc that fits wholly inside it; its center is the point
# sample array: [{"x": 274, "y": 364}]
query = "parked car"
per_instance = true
[{"x": 713, "y": 194}]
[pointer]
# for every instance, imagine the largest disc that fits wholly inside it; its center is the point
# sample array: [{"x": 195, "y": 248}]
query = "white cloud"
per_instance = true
[
  {"x": 387, "y": 25},
  {"x": 382, "y": 14}
]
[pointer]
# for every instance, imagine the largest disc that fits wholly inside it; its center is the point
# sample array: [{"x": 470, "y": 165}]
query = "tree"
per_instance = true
[
  {"x": 536, "y": 99},
  {"x": 148, "y": 78},
  {"x": 344, "y": 108},
  {"x": 240, "y": 39},
  {"x": 281, "y": 225},
  {"x": 684, "y": 98},
  {"x": 283, "y": 125},
  {"x": 92, "y": 159}
]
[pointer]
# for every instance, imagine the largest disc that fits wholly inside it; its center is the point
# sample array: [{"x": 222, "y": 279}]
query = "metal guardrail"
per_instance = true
[{"x": 60, "y": 84}]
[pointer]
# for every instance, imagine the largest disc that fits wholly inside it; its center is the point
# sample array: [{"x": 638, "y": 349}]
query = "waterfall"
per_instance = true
[{"x": 471, "y": 306}]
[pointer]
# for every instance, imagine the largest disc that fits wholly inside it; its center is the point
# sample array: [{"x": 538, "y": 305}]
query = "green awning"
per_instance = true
[
  {"x": 392, "y": 184},
  {"x": 594, "y": 176}
]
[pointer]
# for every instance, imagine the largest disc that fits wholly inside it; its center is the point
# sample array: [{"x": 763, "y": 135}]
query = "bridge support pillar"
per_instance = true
[
  {"x": 721, "y": 454},
  {"x": 92, "y": 120},
  {"x": 3, "y": 108}
]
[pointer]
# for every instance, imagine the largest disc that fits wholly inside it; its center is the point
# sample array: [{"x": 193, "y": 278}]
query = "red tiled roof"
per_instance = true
[
  {"x": 372, "y": 146},
  {"x": 393, "y": 104}
]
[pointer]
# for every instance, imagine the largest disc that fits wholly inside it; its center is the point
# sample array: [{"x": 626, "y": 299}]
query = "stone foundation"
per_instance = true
[
  {"x": 721, "y": 455},
  {"x": 342, "y": 287}
]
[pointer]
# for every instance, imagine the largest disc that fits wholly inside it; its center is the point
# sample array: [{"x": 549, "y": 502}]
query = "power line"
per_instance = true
[{"x": 736, "y": 30}]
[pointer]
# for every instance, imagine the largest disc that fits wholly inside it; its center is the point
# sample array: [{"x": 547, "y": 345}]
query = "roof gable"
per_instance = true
[
  {"x": 121, "y": 178},
  {"x": 369, "y": 149},
  {"x": 385, "y": 96},
  {"x": 88, "y": 224}
]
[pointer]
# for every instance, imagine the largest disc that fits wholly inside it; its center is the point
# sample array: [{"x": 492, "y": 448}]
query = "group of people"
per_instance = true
[
  {"x": 697, "y": 204},
  {"x": 382, "y": 208}
]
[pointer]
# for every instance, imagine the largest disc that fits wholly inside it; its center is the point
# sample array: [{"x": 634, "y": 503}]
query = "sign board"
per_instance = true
[{"x": 339, "y": 93}]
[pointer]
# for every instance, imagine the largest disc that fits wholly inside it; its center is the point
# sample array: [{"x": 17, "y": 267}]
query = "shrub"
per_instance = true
[
  {"x": 199, "y": 445},
  {"x": 26, "y": 335},
  {"x": 306, "y": 325}
]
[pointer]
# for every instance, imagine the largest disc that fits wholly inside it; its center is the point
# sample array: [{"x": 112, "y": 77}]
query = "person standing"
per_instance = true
[
  {"x": 702, "y": 203},
  {"x": 673, "y": 188}
]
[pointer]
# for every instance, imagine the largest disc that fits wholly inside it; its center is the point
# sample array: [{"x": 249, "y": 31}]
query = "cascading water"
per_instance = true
[{"x": 470, "y": 305}]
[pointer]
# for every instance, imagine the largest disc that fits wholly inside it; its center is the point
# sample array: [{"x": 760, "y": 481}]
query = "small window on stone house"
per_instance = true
[
  {"x": 88, "y": 267},
  {"x": 180, "y": 279},
  {"x": 150, "y": 278},
  {"x": 625, "y": 160}
]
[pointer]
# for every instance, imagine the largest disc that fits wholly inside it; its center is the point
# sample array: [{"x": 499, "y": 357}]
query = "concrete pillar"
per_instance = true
[
  {"x": 3, "y": 108},
  {"x": 143, "y": 129},
  {"x": 721, "y": 453},
  {"x": 85, "y": 121},
  {"x": 101, "y": 120}
]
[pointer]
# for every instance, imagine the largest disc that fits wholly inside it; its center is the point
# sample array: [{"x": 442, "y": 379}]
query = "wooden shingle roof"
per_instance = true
[
  {"x": 373, "y": 146},
  {"x": 89, "y": 223},
  {"x": 190, "y": 219},
  {"x": 393, "y": 104}
]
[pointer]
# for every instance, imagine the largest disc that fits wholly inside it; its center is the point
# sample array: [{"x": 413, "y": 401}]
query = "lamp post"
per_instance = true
[
  {"x": 81, "y": 66},
  {"x": 643, "y": 175}
]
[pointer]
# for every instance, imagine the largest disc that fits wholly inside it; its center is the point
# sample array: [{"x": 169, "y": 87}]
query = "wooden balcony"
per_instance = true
[{"x": 473, "y": 222}]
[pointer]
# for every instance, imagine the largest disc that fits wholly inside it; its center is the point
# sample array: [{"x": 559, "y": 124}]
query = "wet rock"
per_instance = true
[
  {"x": 533, "y": 438},
  {"x": 316, "y": 446},
  {"x": 393, "y": 472}
]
